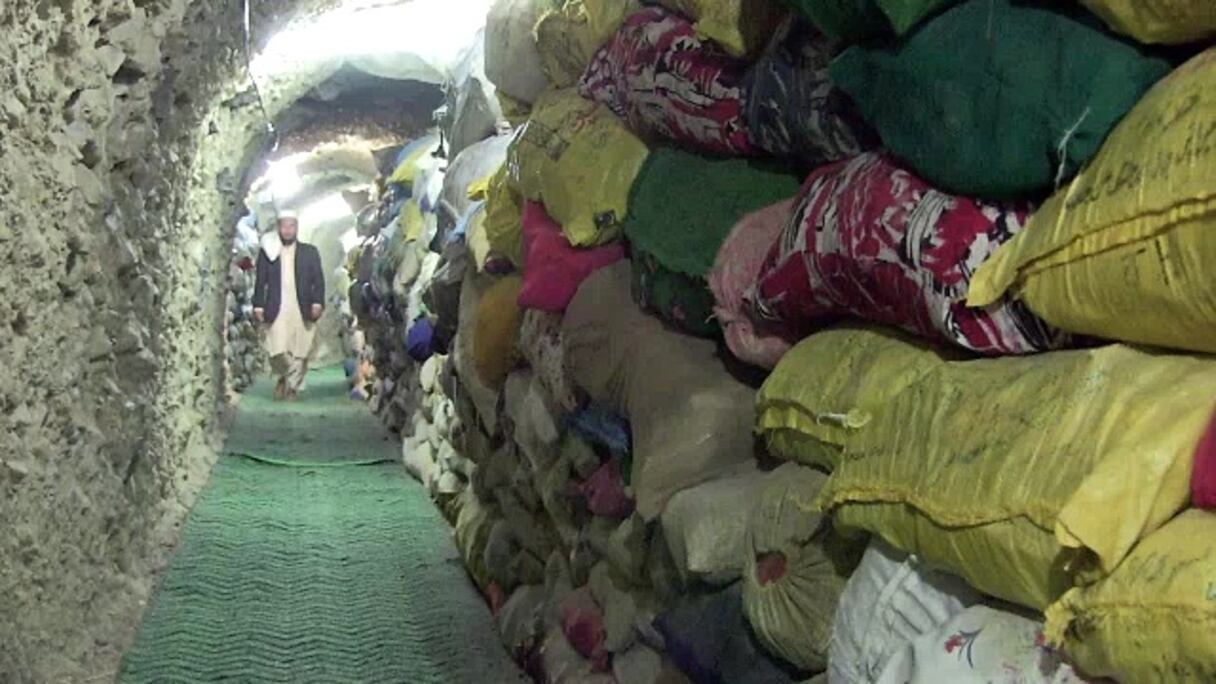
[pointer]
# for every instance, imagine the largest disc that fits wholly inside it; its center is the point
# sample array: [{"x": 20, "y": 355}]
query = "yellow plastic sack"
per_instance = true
[
  {"x": 480, "y": 188},
  {"x": 496, "y": 336},
  {"x": 581, "y": 161},
  {"x": 1128, "y": 250},
  {"x": 795, "y": 569},
  {"x": 411, "y": 220},
  {"x": 503, "y": 218},
  {"x": 1022, "y": 475},
  {"x": 1154, "y": 618},
  {"x": 407, "y": 169},
  {"x": 809, "y": 422},
  {"x": 569, "y": 35},
  {"x": 477, "y": 240},
  {"x": 1158, "y": 21},
  {"x": 743, "y": 27}
]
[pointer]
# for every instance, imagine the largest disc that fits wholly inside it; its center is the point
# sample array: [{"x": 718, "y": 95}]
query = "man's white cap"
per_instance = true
[{"x": 287, "y": 214}]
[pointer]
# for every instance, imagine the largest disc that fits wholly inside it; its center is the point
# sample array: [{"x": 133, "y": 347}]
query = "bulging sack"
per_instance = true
[
  {"x": 540, "y": 343},
  {"x": 735, "y": 270},
  {"x": 503, "y": 225},
  {"x": 656, "y": 74},
  {"x": 690, "y": 419},
  {"x": 1152, "y": 620},
  {"x": 869, "y": 239},
  {"x": 794, "y": 569},
  {"x": 891, "y": 600},
  {"x": 473, "y": 527},
  {"x": 682, "y": 208},
  {"x": 1127, "y": 251},
  {"x": 484, "y": 398},
  {"x": 577, "y": 158},
  {"x": 568, "y": 35},
  {"x": 682, "y": 300},
  {"x": 1075, "y": 455},
  {"x": 794, "y": 109},
  {"x": 739, "y": 26},
  {"x": 1158, "y": 21},
  {"x": 983, "y": 120},
  {"x": 513, "y": 61},
  {"x": 553, "y": 269},
  {"x": 496, "y": 337},
  {"x": 705, "y": 525},
  {"x": 980, "y": 644}
]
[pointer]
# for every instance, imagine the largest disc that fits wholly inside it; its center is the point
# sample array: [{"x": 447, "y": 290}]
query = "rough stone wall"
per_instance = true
[{"x": 119, "y": 175}]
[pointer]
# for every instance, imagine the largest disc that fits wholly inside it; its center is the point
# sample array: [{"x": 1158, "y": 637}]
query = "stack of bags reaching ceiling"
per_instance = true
[
  {"x": 977, "y": 269},
  {"x": 243, "y": 357}
]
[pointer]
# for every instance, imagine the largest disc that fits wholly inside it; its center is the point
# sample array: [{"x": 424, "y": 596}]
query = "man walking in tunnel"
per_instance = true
[{"x": 289, "y": 297}]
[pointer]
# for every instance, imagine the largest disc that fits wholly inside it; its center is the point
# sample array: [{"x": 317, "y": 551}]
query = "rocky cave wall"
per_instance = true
[{"x": 120, "y": 174}]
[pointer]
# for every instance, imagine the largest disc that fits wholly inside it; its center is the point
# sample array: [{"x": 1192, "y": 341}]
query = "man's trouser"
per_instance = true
[{"x": 290, "y": 370}]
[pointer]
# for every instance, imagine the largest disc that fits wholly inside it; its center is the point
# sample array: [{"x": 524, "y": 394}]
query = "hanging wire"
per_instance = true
[{"x": 249, "y": 70}]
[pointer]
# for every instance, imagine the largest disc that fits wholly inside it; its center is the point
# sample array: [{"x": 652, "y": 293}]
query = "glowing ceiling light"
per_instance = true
[
  {"x": 284, "y": 180},
  {"x": 328, "y": 208}
]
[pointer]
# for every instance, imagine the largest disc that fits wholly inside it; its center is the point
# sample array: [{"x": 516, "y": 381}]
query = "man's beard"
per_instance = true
[{"x": 285, "y": 241}]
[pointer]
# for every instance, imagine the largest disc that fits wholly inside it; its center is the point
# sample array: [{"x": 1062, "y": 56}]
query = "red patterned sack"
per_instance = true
[
  {"x": 871, "y": 240},
  {"x": 1203, "y": 477},
  {"x": 658, "y": 75}
]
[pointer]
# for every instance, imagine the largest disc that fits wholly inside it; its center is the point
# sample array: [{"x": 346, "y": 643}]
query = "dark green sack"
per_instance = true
[
  {"x": 684, "y": 205},
  {"x": 996, "y": 100},
  {"x": 905, "y": 14},
  {"x": 682, "y": 208},
  {"x": 846, "y": 21},
  {"x": 684, "y": 301}
]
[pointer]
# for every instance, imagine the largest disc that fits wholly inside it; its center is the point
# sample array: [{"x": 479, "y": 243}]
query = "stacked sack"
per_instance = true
[
  {"x": 242, "y": 342},
  {"x": 955, "y": 478},
  {"x": 1025, "y": 512}
]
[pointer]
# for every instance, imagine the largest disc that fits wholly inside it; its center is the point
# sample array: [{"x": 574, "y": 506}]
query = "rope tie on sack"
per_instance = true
[{"x": 1062, "y": 149}]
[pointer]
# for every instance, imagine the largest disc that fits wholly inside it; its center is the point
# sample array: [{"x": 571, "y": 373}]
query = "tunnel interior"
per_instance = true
[{"x": 132, "y": 135}]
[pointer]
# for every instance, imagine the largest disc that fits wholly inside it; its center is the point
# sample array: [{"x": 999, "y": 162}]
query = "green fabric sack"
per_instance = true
[
  {"x": 846, "y": 21},
  {"x": 906, "y": 14},
  {"x": 683, "y": 301},
  {"x": 684, "y": 205},
  {"x": 996, "y": 100}
]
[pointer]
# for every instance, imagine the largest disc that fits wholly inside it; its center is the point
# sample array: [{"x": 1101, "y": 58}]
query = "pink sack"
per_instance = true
[
  {"x": 553, "y": 269},
  {"x": 870, "y": 240},
  {"x": 735, "y": 270},
  {"x": 1203, "y": 477},
  {"x": 658, "y": 75},
  {"x": 583, "y": 625},
  {"x": 605, "y": 493}
]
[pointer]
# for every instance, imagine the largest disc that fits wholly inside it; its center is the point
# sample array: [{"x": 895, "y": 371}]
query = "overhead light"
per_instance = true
[{"x": 284, "y": 180}]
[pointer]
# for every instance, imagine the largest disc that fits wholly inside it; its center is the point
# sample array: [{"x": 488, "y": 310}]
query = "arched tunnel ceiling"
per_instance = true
[
  {"x": 345, "y": 78},
  {"x": 390, "y": 40}
]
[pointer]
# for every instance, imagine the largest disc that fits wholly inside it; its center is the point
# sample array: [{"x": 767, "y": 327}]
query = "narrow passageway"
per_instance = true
[{"x": 311, "y": 557}]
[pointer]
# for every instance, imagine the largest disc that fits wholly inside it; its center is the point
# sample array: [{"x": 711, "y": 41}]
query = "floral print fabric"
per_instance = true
[
  {"x": 663, "y": 79},
  {"x": 982, "y": 645},
  {"x": 870, "y": 240},
  {"x": 794, "y": 109}
]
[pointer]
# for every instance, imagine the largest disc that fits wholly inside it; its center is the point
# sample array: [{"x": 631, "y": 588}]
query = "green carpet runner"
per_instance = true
[{"x": 311, "y": 557}]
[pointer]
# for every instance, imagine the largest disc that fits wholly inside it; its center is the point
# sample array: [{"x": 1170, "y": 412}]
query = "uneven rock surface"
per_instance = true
[{"x": 123, "y": 137}]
